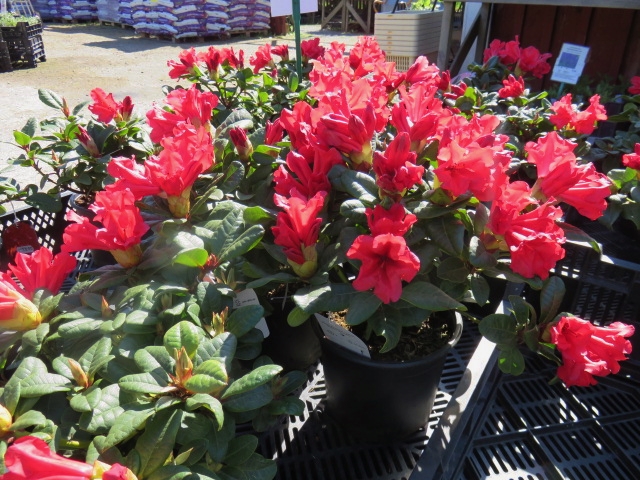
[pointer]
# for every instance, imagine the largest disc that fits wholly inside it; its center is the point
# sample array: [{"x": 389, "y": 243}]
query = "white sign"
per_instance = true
[
  {"x": 249, "y": 297},
  {"x": 570, "y": 63},
  {"x": 285, "y": 7},
  {"x": 342, "y": 336}
]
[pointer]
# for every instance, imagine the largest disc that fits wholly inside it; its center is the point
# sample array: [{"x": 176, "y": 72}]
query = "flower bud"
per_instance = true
[
  {"x": 128, "y": 258},
  {"x": 241, "y": 142},
  {"x": 125, "y": 109},
  {"x": 78, "y": 373},
  {"x": 104, "y": 471},
  {"x": 219, "y": 320},
  {"x": 5, "y": 420},
  {"x": 88, "y": 143},
  {"x": 184, "y": 366},
  {"x": 17, "y": 312}
]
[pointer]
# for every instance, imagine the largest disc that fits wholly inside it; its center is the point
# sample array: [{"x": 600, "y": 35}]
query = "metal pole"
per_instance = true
[{"x": 296, "y": 30}]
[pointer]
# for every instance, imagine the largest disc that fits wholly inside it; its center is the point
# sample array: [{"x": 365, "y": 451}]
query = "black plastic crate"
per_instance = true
[
  {"x": 24, "y": 43},
  {"x": 314, "y": 447},
  {"x": 49, "y": 227},
  {"x": 523, "y": 428}
]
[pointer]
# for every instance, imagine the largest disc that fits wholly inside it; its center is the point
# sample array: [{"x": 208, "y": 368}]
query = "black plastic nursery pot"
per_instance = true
[
  {"x": 293, "y": 348},
  {"x": 379, "y": 401}
]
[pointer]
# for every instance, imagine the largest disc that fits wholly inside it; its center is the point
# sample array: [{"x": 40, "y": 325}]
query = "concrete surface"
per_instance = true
[{"x": 81, "y": 57}]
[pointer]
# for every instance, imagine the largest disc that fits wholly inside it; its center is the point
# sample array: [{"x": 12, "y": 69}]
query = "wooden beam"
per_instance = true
[{"x": 632, "y": 4}]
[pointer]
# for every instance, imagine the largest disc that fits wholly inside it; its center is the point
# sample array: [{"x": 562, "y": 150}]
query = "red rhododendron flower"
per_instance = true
[
  {"x": 533, "y": 62},
  {"x": 122, "y": 227},
  {"x": 351, "y": 134},
  {"x": 17, "y": 312},
  {"x": 588, "y": 350},
  {"x": 187, "y": 61},
  {"x": 634, "y": 89},
  {"x": 389, "y": 220},
  {"x": 311, "y": 49},
  {"x": 512, "y": 87},
  {"x": 281, "y": 50},
  {"x": 273, "y": 132},
  {"x": 395, "y": 169},
  {"x": 307, "y": 176},
  {"x": 386, "y": 262},
  {"x": 508, "y": 52},
  {"x": 421, "y": 71},
  {"x": 297, "y": 229},
  {"x": 41, "y": 269},
  {"x": 583, "y": 122},
  {"x": 561, "y": 178},
  {"x": 262, "y": 58},
  {"x": 30, "y": 458},
  {"x": 132, "y": 176},
  {"x": 632, "y": 160},
  {"x": 106, "y": 108},
  {"x": 187, "y": 106}
]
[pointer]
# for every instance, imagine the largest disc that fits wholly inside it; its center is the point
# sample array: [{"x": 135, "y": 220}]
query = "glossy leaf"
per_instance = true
[
  {"x": 429, "y": 297},
  {"x": 363, "y": 305},
  {"x": 240, "y": 449},
  {"x": 208, "y": 402},
  {"x": 156, "y": 444},
  {"x": 244, "y": 319},
  {"x": 511, "y": 361},
  {"x": 255, "y": 378},
  {"x": 251, "y": 400},
  {"x": 551, "y": 297},
  {"x": 499, "y": 328},
  {"x": 183, "y": 334}
]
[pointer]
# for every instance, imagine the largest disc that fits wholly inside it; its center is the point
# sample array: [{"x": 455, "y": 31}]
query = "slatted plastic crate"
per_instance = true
[
  {"x": 25, "y": 44},
  {"x": 408, "y": 34}
]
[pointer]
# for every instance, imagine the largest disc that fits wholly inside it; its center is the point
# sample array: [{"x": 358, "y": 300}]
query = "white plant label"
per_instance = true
[
  {"x": 249, "y": 297},
  {"x": 280, "y": 8},
  {"x": 342, "y": 336}
]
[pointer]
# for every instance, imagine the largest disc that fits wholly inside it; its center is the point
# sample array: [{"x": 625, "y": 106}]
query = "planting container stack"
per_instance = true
[
  {"x": 217, "y": 16},
  {"x": 24, "y": 44},
  {"x": 406, "y": 35}
]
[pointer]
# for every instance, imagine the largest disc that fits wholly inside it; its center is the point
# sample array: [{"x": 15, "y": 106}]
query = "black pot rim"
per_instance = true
[{"x": 359, "y": 359}]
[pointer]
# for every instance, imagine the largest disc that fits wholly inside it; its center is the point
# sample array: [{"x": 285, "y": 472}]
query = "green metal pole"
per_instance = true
[{"x": 296, "y": 30}]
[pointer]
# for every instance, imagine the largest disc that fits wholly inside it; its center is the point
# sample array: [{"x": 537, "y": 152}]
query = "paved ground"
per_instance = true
[{"x": 82, "y": 57}]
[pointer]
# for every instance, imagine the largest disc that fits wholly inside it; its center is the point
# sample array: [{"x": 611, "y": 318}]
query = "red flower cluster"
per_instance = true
[
  {"x": 121, "y": 230},
  {"x": 106, "y": 108},
  {"x": 512, "y": 87},
  {"x": 634, "y": 89},
  {"x": 582, "y": 122},
  {"x": 589, "y": 351},
  {"x": 37, "y": 270},
  {"x": 386, "y": 259},
  {"x": 523, "y": 60},
  {"x": 190, "y": 62},
  {"x": 632, "y": 160},
  {"x": 29, "y": 458}
]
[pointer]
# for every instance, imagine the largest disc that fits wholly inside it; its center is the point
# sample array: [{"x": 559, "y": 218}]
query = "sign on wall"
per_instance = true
[
  {"x": 285, "y": 7},
  {"x": 570, "y": 63}
]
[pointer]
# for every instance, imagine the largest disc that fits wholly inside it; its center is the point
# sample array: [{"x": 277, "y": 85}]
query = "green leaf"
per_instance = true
[
  {"x": 480, "y": 219},
  {"x": 448, "y": 233},
  {"x": 576, "y": 235},
  {"x": 324, "y": 298},
  {"x": 499, "y": 328},
  {"x": 208, "y": 377},
  {"x": 511, "y": 361},
  {"x": 479, "y": 256},
  {"x": 21, "y": 138},
  {"x": 240, "y": 449},
  {"x": 127, "y": 424},
  {"x": 297, "y": 317},
  {"x": 256, "y": 468},
  {"x": 111, "y": 405},
  {"x": 32, "y": 418},
  {"x": 195, "y": 257},
  {"x": 50, "y": 98},
  {"x": 256, "y": 215},
  {"x": 31, "y": 127},
  {"x": 551, "y": 298},
  {"x": 221, "y": 346},
  {"x": 183, "y": 334},
  {"x": 363, "y": 305},
  {"x": 453, "y": 269},
  {"x": 255, "y": 378},
  {"x": 35, "y": 381},
  {"x": 154, "y": 358},
  {"x": 480, "y": 289},
  {"x": 245, "y": 242},
  {"x": 353, "y": 209},
  {"x": 244, "y": 319},
  {"x": 219, "y": 439},
  {"x": 251, "y": 400},
  {"x": 170, "y": 472},
  {"x": 287, "y": 406},
  {"x": 202, "y": 400},
  {"x": 86, "y": 400},
  {"x": 522, "y": 310},
  {"x": 156, "y": 444},
  {"x": 429, "y": 297},
  {"x": 388, "y": 324},
  {"x": 149, "y": 382}
]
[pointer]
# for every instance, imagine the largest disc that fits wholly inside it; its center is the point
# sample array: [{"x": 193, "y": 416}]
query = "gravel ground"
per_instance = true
[{"x": 82, "y": 57}]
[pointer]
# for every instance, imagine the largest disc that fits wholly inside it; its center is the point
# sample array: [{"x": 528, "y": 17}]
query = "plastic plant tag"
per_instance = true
[
  {"x": 249, "y": 297},
  {"x": 342, "y": 336}
]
